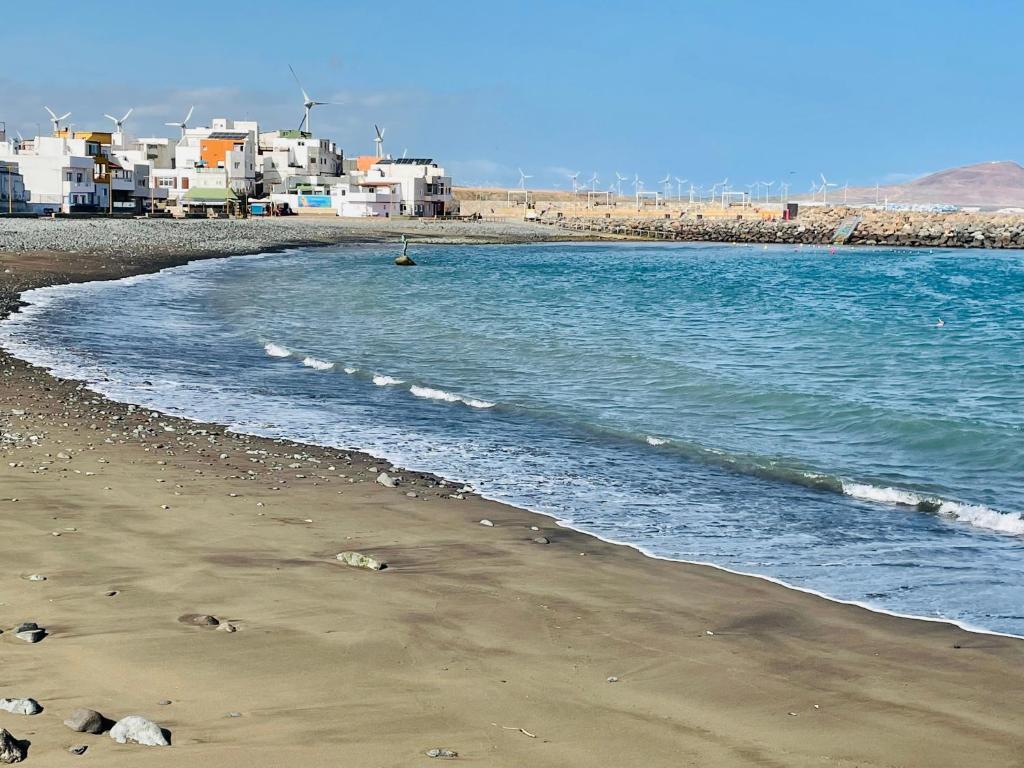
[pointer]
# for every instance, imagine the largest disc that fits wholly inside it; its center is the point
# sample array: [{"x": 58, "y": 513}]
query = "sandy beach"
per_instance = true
[{"x": 478, "y": 639}]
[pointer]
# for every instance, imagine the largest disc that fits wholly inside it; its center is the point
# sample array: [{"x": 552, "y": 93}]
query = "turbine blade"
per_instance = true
[
  {"x": 110, "y": 117},
  {"x": 189, "y": 115},
  {"x": 126, "y": 114},
  {"x": 52, "y": 113}
]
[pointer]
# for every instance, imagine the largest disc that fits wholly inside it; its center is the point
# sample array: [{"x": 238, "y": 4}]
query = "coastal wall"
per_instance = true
[{"x": 818, "y": 227}]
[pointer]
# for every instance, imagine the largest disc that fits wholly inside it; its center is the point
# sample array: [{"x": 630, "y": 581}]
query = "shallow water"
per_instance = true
[{"x": 789, "y": 413}]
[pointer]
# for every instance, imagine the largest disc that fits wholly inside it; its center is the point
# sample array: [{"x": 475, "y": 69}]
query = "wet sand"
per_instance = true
[{"x": 470, "y": 634}]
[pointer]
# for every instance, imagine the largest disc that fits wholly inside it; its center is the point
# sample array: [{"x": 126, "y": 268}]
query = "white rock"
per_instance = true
[
  {"x": 386, "y": 480},
  {"x": 21, "y": 706},
  {"x": 139, "y": 730},
  {"x": 486, "y": 522}
]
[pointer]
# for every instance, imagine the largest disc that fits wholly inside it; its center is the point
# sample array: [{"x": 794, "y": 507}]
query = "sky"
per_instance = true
[{"x": 864, "y": 92}]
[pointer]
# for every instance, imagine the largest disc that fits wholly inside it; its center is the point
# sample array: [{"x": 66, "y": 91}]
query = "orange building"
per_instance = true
[{"x": 213, "y": 152}]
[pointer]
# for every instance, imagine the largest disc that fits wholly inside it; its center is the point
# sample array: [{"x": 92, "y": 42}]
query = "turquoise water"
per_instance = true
[{"x": 789, "y": 413}]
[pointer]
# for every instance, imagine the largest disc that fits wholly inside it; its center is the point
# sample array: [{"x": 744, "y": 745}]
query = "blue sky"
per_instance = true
[{"x": 867, "y": 91}]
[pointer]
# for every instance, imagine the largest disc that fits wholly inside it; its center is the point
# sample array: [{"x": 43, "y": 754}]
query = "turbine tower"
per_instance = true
[
  {"x": 307, "y": 104},
  {"x": 575, "y": 186},
  {"x": 619, "y": 178},
  {"x": 119, "y": 124},
  {"x": 666, "y": 185},
  {"x": 56, "y": 120},
  {"x": 379, "y": 140},
  {"x": 679, "y": 189},
  {"x": 522, "y": 179},
  {"x": 593, "y": 182},
  {"x": 183, "y": 125},
  {"x": 825, "y": 184},
  {"x": 767, "y": 189}
]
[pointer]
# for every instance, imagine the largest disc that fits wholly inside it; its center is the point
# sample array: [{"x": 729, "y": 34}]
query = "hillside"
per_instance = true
[{"x": 989, "y": 185}]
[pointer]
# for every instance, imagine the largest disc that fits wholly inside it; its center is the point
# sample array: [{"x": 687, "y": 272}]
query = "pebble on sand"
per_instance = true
[
  {"x": 387, "y": 480},
  {"x": 199, "y": 620},
  {"x": 11, "y": 749},
  {"x": 486, "y": 522},
  {"x": 30, "y": 632},
  {"x": 542, "y": 540},
  {"x": 87, "y": 721},
  {"x": 21, "y": 706},
  {"x": 359, "y": 560},
  {"x": 442, "y": 752},
  {"x": 138, "y": 730}
]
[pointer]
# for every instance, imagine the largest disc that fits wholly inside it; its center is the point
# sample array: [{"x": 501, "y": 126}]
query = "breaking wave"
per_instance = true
[
  {"x": 656, "y": 441},
  {"x": 448, "y": 397},
  {"x": 977, "y": 515},
  {"x": 317, "y": 365},
  {"x": 386, "y": 381},
  {"x": 276, "y": 350}
]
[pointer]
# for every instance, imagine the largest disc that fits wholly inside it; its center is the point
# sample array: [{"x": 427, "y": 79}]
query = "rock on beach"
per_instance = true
[{"x": 138, "y": 730}]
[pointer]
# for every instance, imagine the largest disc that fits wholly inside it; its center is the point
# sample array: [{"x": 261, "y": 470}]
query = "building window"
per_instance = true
[
  {"x": 184, "y": 182},
  {"x": 79, "y": 178}
]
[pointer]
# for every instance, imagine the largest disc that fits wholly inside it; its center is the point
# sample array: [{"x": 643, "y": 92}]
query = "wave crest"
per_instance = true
[
  {"x": 276, "y": 350},
  {"x": 317, "y": 365},
  {"x": 439, "y": 394},
  {"x": 385, "y": 381},
  {"x": 977, "y": 515}
]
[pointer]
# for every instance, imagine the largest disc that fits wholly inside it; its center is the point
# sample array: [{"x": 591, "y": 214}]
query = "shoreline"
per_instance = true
[
  {"x": 738, "y": 591},
  {"x": 370, "y": 456}
]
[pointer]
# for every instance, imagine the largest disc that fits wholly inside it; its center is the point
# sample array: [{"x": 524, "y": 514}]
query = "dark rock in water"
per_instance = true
[
  {"x": 199, "y": 620},
  {"x": 404, "y": 261},
  {"x": 87, "y": 721},
  {"x": 12, "y": 750}
]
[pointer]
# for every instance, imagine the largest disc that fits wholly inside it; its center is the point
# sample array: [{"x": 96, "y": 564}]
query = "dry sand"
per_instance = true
[{"x": 470, "y": 634}]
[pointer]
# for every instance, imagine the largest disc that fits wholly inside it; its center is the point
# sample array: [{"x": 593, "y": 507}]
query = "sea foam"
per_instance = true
[
  {"x": 276, "y": 350},
  {"x": 977, "y": 515},
  {"x": 385, "y": 381},
  {"x": 439, "y": 394},
  {"x": 317, "y": 365},
  {"x": 651, "y": 440}
]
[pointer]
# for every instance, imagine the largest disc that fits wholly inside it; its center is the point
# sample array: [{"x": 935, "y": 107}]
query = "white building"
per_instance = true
[
  {"x": 362, "y": 197},
  {"x": 58, "y": 173},
  {"x": 295, "y": 161},
  {"x": 210, "y": 161},
  {"x": 12, "y": 188},
  {"x": 425, "y": 189}
]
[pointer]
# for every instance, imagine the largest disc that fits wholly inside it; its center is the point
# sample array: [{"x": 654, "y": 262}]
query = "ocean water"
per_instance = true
[{"x": 795, "y": 414}]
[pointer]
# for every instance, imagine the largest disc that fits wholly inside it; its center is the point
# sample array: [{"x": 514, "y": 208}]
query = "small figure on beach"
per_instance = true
[{"x": 404, "y": 260}]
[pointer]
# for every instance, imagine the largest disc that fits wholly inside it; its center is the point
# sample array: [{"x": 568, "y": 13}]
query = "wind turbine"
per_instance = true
[
  {"x": 846, "y": 190},
  {"x": 119, "y": 124},
  {"x": 593, "y": 182},
  {"x": 183, "y": 125},
  {"x": 667, "y": 185},
  {"x": 307, "y": 104},
  {"x": 56, "y": 120},
  {"x": 379, "y": 140},
  {"x": 679, "y": 188},
  {"x": 767, "y": 189},
  {"x": 814, "y": 190},
  {"x": 825, "y": 184},
  {"x": 619, "y": 178},
  {"x": 575, "y": 186},
  {"x": 522, "y": 179}
]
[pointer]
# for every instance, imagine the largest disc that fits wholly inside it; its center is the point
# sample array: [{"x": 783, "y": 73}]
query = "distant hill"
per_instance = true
[{"x": 988, "y": 185}]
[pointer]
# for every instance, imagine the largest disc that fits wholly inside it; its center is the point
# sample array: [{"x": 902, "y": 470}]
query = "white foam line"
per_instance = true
[
  {"x": 385, "y": 381},
  {"x": 276, "y": 350},
  {"x": 439, "y": 394},
  {"x": 317, "y": 365}
]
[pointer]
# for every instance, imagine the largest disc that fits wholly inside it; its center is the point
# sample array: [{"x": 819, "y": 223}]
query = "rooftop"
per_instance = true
[{"x": 406, "y": 161}]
